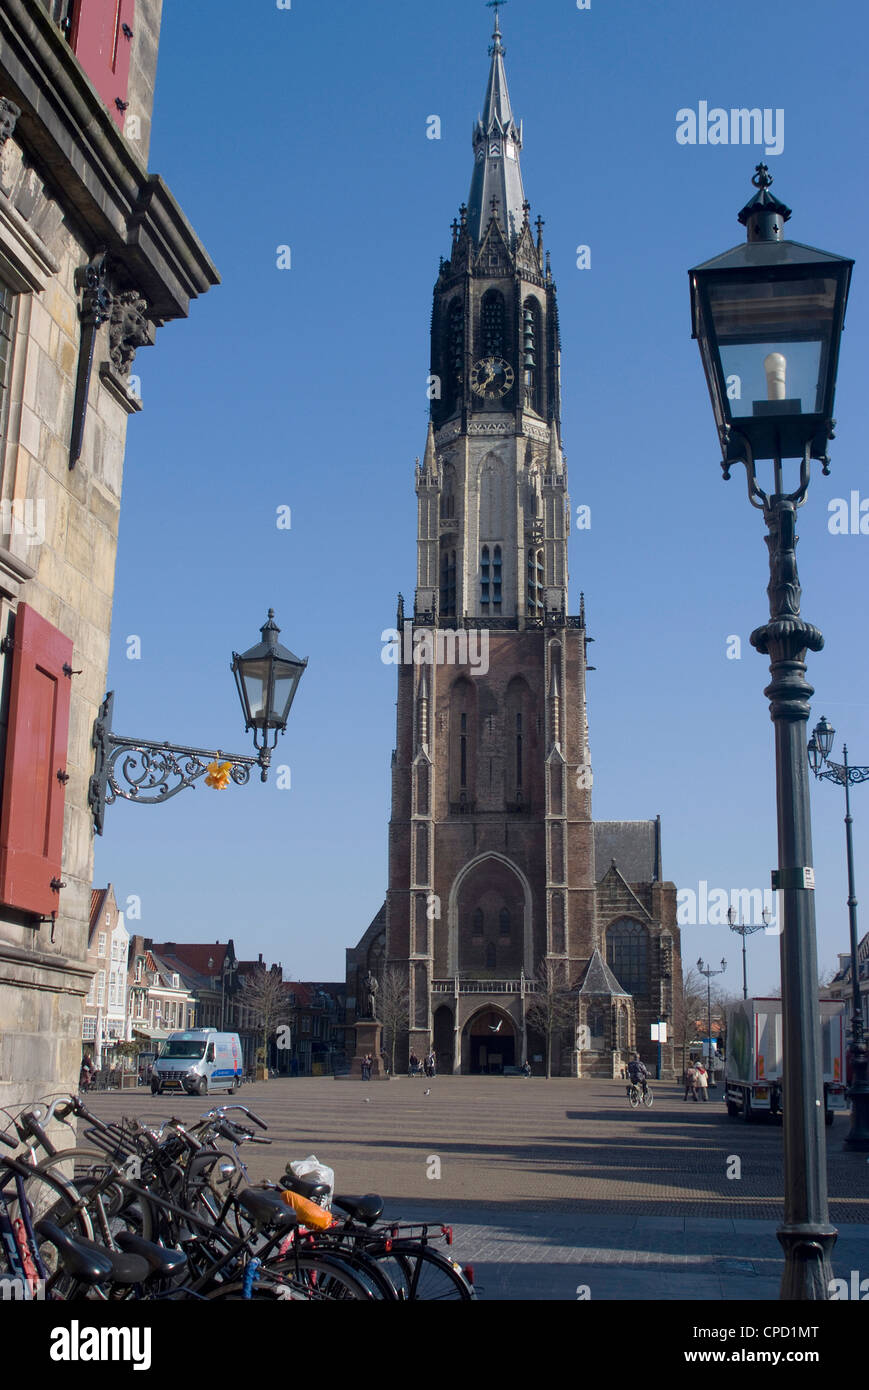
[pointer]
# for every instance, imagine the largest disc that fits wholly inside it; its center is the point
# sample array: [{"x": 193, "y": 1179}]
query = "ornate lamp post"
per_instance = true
[
  {"x": 140, "y": 770},
  {"x": 746, "y": 929},
  {"x": 768, "y": 317},
  {"x": 819, "y": 749},
  {"x": 709, "y": 972}
]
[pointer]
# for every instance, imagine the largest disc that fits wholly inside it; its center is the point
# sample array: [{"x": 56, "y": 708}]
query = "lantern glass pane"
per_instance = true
[
  {"x": 285, "y": 689},
  {"x": 255, "y": 675},
  {"x": 774, "y": 340}
]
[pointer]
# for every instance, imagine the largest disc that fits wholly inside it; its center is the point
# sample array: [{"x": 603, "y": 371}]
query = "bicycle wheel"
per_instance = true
[
  {"x": 372, "y": 1273},
  {"x": 634, "y": 1097},
  {"x": 427, "y": 1275},
  {"x": 323, "y": 1278},
  {"x": 26, "y": 1199},
  {"x": 110, "y": 1205},
  {"x": 648, "y": 1098}
]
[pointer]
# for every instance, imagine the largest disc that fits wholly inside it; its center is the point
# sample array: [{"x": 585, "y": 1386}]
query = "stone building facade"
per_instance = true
[
  {"x": 499, "y": 881},
  {"x": 95, "y": 255}
]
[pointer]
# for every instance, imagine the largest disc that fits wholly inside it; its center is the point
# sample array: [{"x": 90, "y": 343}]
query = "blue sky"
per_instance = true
[{"x": 306, "y": 388}]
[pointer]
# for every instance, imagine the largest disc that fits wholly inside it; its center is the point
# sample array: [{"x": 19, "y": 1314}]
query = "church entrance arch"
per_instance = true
[{"x": 488, "y": 1042}]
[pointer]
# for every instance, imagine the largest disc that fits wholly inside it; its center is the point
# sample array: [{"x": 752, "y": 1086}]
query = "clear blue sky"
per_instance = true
[{"x": 306, "y": 388}]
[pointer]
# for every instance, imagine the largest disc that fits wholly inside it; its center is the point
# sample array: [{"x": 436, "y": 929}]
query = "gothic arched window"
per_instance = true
[
  {"x": 492, "y": 324},
  {"x": 477, "y": 922},
  {"x": 627, "y": 954},
  {"x": 504, "y": 922}
]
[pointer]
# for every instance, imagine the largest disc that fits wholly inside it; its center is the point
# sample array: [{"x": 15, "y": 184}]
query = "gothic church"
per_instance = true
[{"x": 496, "y": 868}]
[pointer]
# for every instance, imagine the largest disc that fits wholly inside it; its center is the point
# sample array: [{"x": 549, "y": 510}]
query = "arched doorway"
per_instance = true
[
  {"x": 488, "y": 1042},
  {"x": 442, "y": 1028}
]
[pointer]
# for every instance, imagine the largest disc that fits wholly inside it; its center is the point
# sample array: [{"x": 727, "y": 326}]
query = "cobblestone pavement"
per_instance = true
[{"x": 554, "y": 1187}]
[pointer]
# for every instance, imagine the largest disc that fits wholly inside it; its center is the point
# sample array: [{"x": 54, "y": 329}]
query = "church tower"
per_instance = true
[{"x": 491, "y": 848}]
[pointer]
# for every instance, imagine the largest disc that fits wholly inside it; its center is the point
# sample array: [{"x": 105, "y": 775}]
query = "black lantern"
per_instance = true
[
  {"x": 768, "y": 316},
  {"x": 267, "y": 677}
]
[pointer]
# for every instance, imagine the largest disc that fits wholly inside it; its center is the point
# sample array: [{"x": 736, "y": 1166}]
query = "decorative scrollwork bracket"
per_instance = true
[{"x": 141, "y": 770}]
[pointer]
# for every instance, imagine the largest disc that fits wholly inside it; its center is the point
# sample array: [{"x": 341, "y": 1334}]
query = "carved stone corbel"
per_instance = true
[
  {"x": 9, "y": 114},
  {"x": 95, "y": 308}
]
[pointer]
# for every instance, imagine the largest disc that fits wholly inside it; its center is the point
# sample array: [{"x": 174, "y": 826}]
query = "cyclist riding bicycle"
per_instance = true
[{"x": 637, "y": 1074}]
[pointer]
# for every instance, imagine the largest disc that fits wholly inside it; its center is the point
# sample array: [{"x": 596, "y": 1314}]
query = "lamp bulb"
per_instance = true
[{"x": 775, "y": 366}]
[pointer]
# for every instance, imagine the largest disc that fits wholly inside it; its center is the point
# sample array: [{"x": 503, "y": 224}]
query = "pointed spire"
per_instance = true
[
  {"x": 429, "y": 463},
  {"x": 497, "y": 141}
]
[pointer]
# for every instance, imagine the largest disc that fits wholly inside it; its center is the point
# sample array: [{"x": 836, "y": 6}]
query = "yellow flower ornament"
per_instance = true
[{"x": 218, "y": 775}]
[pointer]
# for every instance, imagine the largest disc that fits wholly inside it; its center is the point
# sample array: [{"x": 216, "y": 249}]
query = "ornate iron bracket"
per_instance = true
[
  {"x": 96, "y": 306},
  {"x": 140, "y": 770}
]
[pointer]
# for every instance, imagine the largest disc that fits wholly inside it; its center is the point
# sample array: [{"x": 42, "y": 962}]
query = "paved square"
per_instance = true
[{"x": 555, "y": 1187}]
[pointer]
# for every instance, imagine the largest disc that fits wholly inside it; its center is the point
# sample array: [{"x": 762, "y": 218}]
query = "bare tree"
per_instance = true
[
  {"x": 552, "y": 1007},
  {"x": 691, "y": 1017},
  {"x": 393, "y": 1005},
  {"x": 263, "y": 993}
]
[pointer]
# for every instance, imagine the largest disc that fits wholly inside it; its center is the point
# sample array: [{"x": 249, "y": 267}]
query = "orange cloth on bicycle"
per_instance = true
[{"x": 308, "y": 1212}]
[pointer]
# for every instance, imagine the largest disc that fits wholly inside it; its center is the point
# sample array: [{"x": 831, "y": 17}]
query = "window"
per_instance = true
[
  {"x": 6, "y": 333},
  {"x": 627, "y": 948},
  {"x": 101, "y": 944},
  {"x": 455, "y": 354},
  {"x": 504, "y": 922},
  {"x": 530, "y": 348},
  {"x": 101, "y": 987},
  {"x": 484, "y": 579},
  {"x": 496, "y": 580},
  {"x": 535, "y": 584},
  {"x": 91, "y": 995},
  {"x": 88, "y": 1028},
  {"x": 477, "y": 923},
  {"x": 490, "y": 955}
]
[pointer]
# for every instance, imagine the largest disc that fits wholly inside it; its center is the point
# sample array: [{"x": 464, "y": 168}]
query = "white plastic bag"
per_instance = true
[{"x": 312, "y": 1170}]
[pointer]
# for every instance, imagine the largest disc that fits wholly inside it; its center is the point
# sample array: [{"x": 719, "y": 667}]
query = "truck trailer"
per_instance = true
[{"x": 753, "y": 1072}]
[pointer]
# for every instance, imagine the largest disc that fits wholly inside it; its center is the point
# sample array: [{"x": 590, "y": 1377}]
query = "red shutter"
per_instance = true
[
  {"x": 103, "y": 49},
  {"x": 31, "y": 825}
]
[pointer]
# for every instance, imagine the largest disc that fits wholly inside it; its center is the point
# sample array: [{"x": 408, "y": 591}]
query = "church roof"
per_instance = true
[
  {"x": 599, "y": 979},
  {"x": 634, "y": 845},
  {"x": 496, "y": 184}
]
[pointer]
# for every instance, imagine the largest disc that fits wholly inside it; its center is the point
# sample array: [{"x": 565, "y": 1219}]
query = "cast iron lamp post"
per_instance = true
[
  {"x": 709, "y": 972},
  {"x": 819, "y": 749},
  {"x": 768, "y": 317},
  {"x": 746, "y": 929},
  {"x": 137, "y": 769}
]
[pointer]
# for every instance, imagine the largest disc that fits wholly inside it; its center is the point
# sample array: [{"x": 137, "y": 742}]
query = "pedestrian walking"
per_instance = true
[
  {"x": 702, "y": 1081},
  {"x": 366, "y": 1067},
  {"x": 690, "y": 1081},
  {"x": 413, "y": 1064},
  {"x": 85, "y": 1076}
]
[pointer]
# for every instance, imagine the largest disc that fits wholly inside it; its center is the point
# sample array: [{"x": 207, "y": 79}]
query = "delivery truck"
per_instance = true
[
  {"x": 198, "y": 1061},
  {"x": 753, "y": 1072}
]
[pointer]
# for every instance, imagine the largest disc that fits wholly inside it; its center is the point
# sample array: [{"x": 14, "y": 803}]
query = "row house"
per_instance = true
[
  {"x": 161, "y": 999},
  {"x": 316, "y": 1012},
  {"x": 105, "y": 1019},
  {"x": 841, "y": 986}
]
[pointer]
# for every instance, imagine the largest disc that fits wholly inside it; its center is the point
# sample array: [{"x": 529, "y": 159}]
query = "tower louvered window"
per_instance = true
[
  {"x": 530, "y": 349},
  {"x": 455, "y": 355},
  {"x": 496, "y": 580},
  {"x": 535, "y": 584},
  {"x": 485, "y": 576},
  {"x": 448, "y": 583},
  {"x": 492, "y": 324}
]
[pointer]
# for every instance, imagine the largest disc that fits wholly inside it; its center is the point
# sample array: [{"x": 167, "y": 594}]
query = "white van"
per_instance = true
[{"x": 197, "y": 1062}]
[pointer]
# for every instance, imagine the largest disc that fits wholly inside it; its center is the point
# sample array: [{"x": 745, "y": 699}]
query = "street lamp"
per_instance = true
[
  {"x": 709, "y": 972},
  {"x": 819, "y": 748},
  {"x": 267, "y": 677},
  {"x": 768, "y": 317},
  {"x": 140, "y": 770},
  {"x": 746, "y": 929}
]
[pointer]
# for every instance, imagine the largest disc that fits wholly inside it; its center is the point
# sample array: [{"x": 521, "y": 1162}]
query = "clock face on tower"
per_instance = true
[{"x": 491, "y": 377}]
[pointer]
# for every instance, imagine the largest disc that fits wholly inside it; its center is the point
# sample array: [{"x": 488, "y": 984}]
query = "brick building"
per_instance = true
[
  {"x": 496, "y": 868},
  {"x": 95, "y": 255},
  {"x": 105, "y": 1017}
]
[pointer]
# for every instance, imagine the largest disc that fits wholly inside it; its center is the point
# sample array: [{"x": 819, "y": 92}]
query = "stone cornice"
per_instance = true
[{"x": 98, "y": 173}]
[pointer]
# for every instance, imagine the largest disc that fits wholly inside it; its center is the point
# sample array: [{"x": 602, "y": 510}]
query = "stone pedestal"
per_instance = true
[{"x": 369, "y": 1038}]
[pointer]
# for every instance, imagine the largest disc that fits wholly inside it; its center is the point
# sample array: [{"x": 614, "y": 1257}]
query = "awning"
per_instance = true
[{"x": 154, "y": 1034}]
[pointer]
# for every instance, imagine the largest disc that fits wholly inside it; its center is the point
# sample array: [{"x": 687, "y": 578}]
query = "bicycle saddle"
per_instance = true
[
  {"x": 91, "y": 1263},
  {"x": 267, "y": 1208},
  {"x": 306, "y": 1187},
  {"x": 160, "y": 1261},
  {"x": 367, "y": 1209}
]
